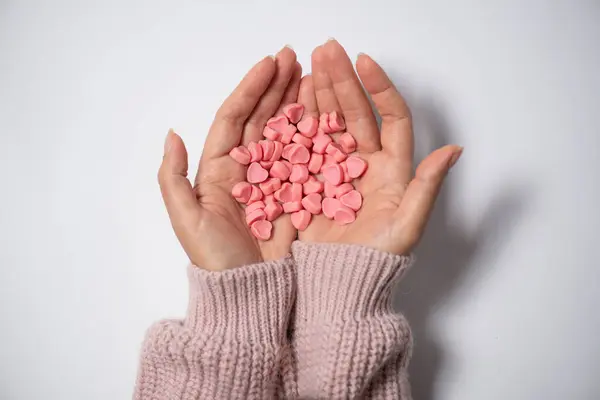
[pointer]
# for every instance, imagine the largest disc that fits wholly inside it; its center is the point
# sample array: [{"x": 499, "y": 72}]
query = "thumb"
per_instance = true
[
  {"x": 418, "y": 201},
  {"x": 176, "y": 189}
]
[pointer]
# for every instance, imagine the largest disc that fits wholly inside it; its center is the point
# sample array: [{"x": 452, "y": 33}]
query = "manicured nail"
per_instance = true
[
  {"x": 455, "y": 157},
  {"x": 168, "y": 140}
]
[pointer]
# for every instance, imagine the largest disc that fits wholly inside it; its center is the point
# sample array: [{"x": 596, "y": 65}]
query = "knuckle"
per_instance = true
[
  {"x": 163, "y": 175},
  {"x": 428, "y": 175}
]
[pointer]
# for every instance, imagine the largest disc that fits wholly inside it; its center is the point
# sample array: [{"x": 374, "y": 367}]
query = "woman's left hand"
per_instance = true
[{"x": 396, "y": 203}]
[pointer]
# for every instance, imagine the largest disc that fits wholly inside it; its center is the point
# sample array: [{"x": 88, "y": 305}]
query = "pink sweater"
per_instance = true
[{"x": 318, "y": 324}]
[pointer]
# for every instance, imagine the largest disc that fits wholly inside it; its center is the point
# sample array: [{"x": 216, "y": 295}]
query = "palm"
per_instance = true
[
  {"x": 223, "y": 225},
  {"x": 208, "y": 222},
  {"x": 382, "y": 189},
  {"x": 396, "y": 205}
]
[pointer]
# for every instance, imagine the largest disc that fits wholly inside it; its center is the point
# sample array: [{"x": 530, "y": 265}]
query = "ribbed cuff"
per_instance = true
[
  {"x": 250, "y": 303},
  {"x": 339, "y": 281}
]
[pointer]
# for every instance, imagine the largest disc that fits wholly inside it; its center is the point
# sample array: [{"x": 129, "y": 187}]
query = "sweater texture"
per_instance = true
[{"x": 318, "y": 324}]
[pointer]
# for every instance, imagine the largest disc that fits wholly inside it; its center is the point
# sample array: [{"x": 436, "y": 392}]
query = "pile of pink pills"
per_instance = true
[{"x": 301, "y": 170}]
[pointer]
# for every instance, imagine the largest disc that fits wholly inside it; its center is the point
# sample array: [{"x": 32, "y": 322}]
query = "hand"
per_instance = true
[
  {"x": 396, "y": 204},
  {"x": 208, "y": 222}
]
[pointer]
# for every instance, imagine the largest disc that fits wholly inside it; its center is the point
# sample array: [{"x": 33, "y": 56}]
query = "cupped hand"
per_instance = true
[
  {"x": 396, "y": 202},
  {"x": 208, "y": 222}
]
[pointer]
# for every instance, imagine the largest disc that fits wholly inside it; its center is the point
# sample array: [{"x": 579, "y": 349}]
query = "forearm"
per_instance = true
[
  {"x": 230, "y": 343},
  {"x": 348, "y": 342}
]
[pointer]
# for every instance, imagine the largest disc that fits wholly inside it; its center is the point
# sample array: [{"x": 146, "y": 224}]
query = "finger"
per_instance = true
[
  {"x": 306, "y": 96},
  {"x": 422, "y": 191},
  {"x": 284, "y": 234},
  {"x": 352, "y": 99},
  {"x": 184, "y": 211},
  {"x": 226, "y": 130},
  {"x": 285, "y": 61},
  {"x": 326, "y": 100},
  {"x": 396, "y": 124},
  {"x": 291, "y": 92}
]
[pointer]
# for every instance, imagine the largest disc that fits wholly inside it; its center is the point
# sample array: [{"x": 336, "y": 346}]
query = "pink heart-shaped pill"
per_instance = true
[
  {"x": 271, "y": 134},
  {"x": 299, "y": 173},
  {"x": 312, "y": 203},
  {"x": 270, "y": 185},
  {"x": 345, "y": 171},
  {"x": 333, "y": 174},
  {"x": 294, "y": 112},
  {"x": 324, "y": 123},
  {"x": 335, "y": 150},
  {"x": 301, "y": 219},
  {"x": 356, "y": 166},
  {"x": 256, "y": 173},
  {"x": 268, "y": 146},
  {"x": 256, "y": 195},
  {"x": 347, "y": 141},
  {"x": 296, "y": 192},
  {"x": 312, "y": 185},
  {"x": 327, "y": 160},
  {"x": 308, "y": 126},
  {"x": 320, "y": 143},
  {"x": 256, "y": 151},
  {"x": 299, "y": 154},
  {"x": 336, "y": 122},
  {"x": 266, "y": 164},
  {"x": 315, "y": 162},
  {"x": 344, "y": 215},
  {"x": 255, "y": 215},
  {"x": 284, "y": 194},
  {"x": 329, "y": 190},
  {"x": 279, "y": 170},
  {"x": 242, "y": 191},
  {"x": 332, "y": 147},
  {"x": 241, "y": 155},
  {"x": 303, "y": 140},
  {"x": 279, "y": 124},
  {"x": 261, "y": 229},
  {"x": 286, "y": 138},
  {"x": 270, "y": 198},
  {"x": 292, "y": 206},
  {"x": 254, "y": 206},
  {"x": 273, "y": 210},
  {"x": 352, "y": 200},
  {"x": 285, "y": 153},
  {"x": 343, "y": 189},
  {"x": 330, "y": 206},
  {"x": 277, "y": 150}
]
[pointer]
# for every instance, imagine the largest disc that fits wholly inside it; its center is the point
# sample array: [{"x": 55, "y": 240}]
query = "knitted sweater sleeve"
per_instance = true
[
  {"x": 231, "y": 342},
  {"x": 347, "y": 341}
]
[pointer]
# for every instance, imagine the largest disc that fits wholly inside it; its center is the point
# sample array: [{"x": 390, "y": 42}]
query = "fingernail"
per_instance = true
[
  {"x": 330, "y": 39},
  {"x": 168, "y": 140},
  {"x": 455, "y": 157},
  {"x": 289, "y": 46}
]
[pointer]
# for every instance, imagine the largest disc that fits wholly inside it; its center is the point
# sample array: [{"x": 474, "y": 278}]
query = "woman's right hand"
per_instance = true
[{"x": 208, "y": 221}]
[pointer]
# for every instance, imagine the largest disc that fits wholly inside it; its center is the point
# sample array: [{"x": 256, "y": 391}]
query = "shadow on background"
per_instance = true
[{"x": 446, "y": 254}]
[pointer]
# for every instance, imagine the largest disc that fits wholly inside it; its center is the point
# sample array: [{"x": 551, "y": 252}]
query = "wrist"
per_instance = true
[
  {"x": 251, "y": 302},
  {"x": 340, "y": 281}
]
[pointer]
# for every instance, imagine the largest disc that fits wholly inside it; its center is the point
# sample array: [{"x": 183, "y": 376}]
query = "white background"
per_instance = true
[{"x": 504, "y": 301}]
